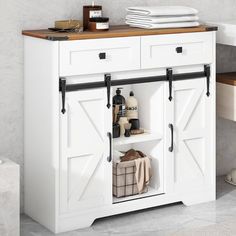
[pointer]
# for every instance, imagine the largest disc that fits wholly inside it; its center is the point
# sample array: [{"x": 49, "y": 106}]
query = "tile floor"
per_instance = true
[{"x": 214, "y": 219}]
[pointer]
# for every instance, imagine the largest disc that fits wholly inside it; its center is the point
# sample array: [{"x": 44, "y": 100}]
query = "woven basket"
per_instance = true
[{"x": 124, "y": 181}]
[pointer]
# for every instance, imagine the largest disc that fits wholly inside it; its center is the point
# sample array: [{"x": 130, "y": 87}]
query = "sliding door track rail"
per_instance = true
[{"x": 108, "y": 82}]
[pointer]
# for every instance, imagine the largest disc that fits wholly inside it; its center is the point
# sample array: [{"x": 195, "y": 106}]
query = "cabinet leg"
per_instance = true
[
  {"x": 71, "y": 223},
  {"x": 195, "y": 198}
]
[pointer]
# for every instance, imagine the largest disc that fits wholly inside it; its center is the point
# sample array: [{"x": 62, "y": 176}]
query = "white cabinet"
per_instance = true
[
  {"x": 226, "y": 93},
  {"x": 68, "y": 155},
  {"x": 84, "y": 138}
]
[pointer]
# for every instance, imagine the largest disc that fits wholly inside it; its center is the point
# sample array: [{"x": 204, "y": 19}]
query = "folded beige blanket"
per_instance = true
[{"x": 143, "y": 172}]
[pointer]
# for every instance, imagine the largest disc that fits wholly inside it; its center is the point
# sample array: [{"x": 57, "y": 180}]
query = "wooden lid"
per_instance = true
[{"x": 114, "y": 31}]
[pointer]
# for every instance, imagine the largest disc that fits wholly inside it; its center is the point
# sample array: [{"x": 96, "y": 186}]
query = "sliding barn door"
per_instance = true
[
  {"x": 85, "y": 173},
  {"x": 194, "y": 129}
]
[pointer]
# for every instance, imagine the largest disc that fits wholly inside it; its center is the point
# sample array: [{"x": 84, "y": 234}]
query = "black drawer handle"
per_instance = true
[
  {"x": 102, "y": 55},
  {"x": 109, "y": 158},
  {"x": 179, "y": 50},
  {"x": 171, "y": 148}
]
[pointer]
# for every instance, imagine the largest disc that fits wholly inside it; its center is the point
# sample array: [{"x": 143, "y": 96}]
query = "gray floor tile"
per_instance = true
[{"x": 213, "y": 219}]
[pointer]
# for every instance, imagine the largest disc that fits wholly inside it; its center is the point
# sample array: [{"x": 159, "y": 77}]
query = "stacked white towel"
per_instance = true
[{"x": 159, "y": 17}]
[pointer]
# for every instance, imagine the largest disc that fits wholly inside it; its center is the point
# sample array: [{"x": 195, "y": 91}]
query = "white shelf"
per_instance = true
[
  {"x": 151, "y": 192},
  {"x": 145, "y": 137}
]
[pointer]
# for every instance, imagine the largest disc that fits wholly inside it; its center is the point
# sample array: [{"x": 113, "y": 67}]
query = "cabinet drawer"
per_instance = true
[
  {"x": 99, "y": 56},
  {"x": 176, "y": 50}
]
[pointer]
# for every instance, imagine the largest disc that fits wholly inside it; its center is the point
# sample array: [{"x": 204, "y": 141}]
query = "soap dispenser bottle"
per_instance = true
[
  {"x": 119, "y": 104},
  {"x": 131, "y": 107}
]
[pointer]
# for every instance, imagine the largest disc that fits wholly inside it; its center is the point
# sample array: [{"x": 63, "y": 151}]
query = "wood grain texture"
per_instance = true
[
  {"x": 115, "y": 31},
  {"x": 227, "y": 78}
]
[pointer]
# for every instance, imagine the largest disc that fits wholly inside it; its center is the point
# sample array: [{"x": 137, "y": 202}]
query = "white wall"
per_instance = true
[{"x": 16, "y": 15}]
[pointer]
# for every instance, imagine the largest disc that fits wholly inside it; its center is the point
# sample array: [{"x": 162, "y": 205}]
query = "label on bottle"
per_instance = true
[
  {"x": 132, "y": 108},
  {"x": 95, "y": 13},
  {"x": 132, "y": 112},
  {"x": 102, "y": 25}
]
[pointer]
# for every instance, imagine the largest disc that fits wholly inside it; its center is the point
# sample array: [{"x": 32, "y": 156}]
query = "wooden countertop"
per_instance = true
[
  {"x": 114, "y": 31},
  {"x": 227, "y": 78}
]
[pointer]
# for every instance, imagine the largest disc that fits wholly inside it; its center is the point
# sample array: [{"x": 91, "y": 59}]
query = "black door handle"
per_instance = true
[
  {"x": 109, "y": 158},
  {"x": 102, "y": 55},
  {"x": 179, "y": 50},
  {"x": 171, "y": 148}
]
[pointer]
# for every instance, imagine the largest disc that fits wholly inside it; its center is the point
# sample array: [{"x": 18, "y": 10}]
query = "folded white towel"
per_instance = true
[
  {"x": 161, "y": 19},
  {"x": 162, "y": 10},
  {"x": 161, "y": 25}
]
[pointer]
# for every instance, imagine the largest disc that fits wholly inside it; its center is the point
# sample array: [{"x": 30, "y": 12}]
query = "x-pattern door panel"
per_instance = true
[
  {"x": 84, "y": 149},
  {"x": 192, "y": 117}
]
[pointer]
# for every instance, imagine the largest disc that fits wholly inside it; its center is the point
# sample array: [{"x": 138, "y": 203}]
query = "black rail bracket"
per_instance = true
[
  {"x": 169, "y": 77},
  {"x": 57, "y": 38},
  {"x": 107, "y": 78},
  {"x": 62, "y": 88},
  {"x": 207, "y": 71}
]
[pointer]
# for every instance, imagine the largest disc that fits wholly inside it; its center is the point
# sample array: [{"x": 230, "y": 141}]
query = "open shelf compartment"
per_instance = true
[{"x": 151, "y": 105}]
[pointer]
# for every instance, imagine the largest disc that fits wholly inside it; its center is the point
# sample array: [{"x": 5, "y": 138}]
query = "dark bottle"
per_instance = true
[{"x": 119, "y": 100}]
